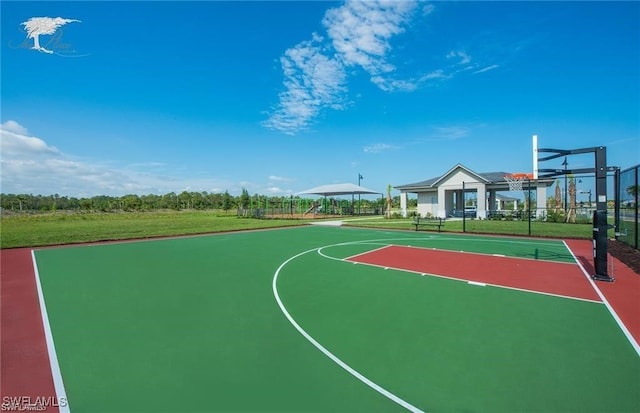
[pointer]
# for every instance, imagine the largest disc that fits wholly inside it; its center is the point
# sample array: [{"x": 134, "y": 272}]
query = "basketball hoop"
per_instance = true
[{"x": 515, "y": 180}]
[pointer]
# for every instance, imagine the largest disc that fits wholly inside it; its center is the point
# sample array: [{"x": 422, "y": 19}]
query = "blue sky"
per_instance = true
[{"x": 278, "y": 97}]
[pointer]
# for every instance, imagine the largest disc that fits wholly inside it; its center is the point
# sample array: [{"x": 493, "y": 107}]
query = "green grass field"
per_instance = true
[
  {"x": 193, "y": 324},
  {"x": 538, "y": 229},
  {"x": 66, "y": 228},
  {"x": 28, "y": 230}
]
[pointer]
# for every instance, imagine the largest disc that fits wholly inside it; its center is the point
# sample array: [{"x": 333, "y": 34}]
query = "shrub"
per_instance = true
[{"x": 555, "y": 216}]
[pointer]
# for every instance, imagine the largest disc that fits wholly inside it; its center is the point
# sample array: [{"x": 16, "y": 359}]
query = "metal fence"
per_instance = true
[
  {"x": 628, "y": 195},
  {"x": 547, "y": 222}
]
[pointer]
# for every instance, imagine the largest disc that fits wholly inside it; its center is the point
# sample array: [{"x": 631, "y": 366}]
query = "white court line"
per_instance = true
[
  {"x": 364, "y": 253},
  {"x": 61, "y": 394},
  {"x": 624, "y": 329},
  {"x": 329, "y": 354},
  {"x": 467, "y": 281},
  {"x": 484, "y": 254},
  {"x": 374, "y": 242},
  {"x": 337, "y": 360}
]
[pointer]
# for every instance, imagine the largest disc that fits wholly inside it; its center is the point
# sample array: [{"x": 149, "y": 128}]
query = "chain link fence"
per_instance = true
[{"x": 628, "y": 196}]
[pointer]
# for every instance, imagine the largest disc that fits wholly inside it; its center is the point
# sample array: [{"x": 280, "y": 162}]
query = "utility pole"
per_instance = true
[
  {"x": 359, "y": 178},
  {"x": 586, "y": 192}
]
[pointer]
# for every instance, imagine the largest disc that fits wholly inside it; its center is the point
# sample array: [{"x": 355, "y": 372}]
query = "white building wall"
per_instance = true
[
  {"x": 482, "y": 201},
  {"x": 446, "y": 202},
  {"x": 541, "y": 200},
  {"x": 428, "y": 203}
]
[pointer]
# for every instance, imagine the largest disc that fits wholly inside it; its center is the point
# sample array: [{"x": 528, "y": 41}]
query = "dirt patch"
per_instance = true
[{"x": 628, "y": 255}]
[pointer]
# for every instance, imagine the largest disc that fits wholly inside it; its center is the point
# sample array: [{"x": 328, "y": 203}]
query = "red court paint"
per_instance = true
[
  {"x": 623, "y": 294},
  {"x": 24, "y": 360},
  {"x": 539, "y": 276}
]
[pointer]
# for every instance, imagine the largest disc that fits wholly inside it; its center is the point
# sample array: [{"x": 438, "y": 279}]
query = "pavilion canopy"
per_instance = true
[{"x": 338, "y": 189}]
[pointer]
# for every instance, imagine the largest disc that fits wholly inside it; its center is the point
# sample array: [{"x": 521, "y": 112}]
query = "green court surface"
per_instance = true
[{"x": 193, "y": 325}]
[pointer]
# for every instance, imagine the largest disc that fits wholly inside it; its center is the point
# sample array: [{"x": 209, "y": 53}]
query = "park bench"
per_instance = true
[{"x": 428, "y": 222}]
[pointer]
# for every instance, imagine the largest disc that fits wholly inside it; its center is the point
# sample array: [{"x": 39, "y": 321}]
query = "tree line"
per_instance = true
[{"x": 182, "y": 201}]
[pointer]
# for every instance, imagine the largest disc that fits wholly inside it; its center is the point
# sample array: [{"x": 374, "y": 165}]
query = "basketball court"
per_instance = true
[
  {"x": 325, "y": 318},
  {"x": 320, "y": 318}
]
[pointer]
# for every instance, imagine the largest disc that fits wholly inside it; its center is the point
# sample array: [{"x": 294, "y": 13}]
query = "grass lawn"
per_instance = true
[
  {"x": 538, "y": 229},
  {"x": 30, "y": 230},
  {"x": 65, "y": 228}
]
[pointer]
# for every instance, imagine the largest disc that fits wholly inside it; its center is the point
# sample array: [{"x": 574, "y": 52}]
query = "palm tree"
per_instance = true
[
  {"x": 558, "y": 196},
  {"x": 571, "y": 215}
]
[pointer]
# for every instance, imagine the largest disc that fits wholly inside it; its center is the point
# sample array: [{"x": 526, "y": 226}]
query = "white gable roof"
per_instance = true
[
  {"x": 459, "y": 167},
  {"x": 339, "y": 189}
]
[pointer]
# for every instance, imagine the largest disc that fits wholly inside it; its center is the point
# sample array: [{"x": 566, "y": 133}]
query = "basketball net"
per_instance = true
[{"x": 515, "y": 180}]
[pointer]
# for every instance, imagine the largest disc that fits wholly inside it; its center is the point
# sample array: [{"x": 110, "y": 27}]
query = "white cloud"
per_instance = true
[
  {"x": 427, "y": 9},
  {"x": 13, "y": 126},
  {"x": 315, "y": 70},
  {"x": 450, "y": 132},
  {"x": 378, "y": 147},
  {"x": 312, "y": 82},
  {"x": 149, "y": 165},
  {"x": 14, "y": 142},
  {"x": 30, "y": 165},
  {"x": 462, "y": 62},
  {"x": 55, "y": 174},
  {"x": 462, "y": 55},
  {"x": 486, "y": 69},
  {"x": 359, "y": 35},
  {"x": 391, "y": 85},
  {"x": 361, "y": 31},
  {"x": 436, "y": 74},
  {"x": 275, "y": 178},
  {"x": 270, "y": 187},
  {"x": 276, "y": 190}
]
